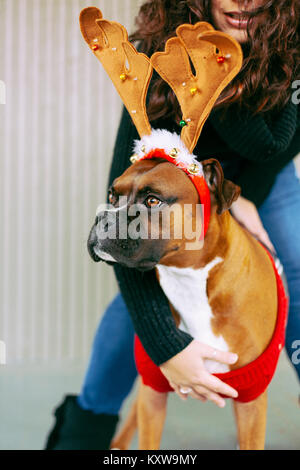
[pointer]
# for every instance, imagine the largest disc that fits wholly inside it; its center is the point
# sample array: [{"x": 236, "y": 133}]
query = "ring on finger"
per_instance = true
[
  {"x": 185, "y": 390},
  {"x": 198, "y": 396}
]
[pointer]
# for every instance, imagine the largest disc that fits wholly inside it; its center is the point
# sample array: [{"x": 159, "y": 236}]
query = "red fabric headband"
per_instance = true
[{"x": 197, "y": 180}]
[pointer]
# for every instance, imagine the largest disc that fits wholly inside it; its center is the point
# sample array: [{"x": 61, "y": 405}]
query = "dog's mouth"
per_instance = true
[
  {"x": 100, "y": 255},
  {"x": 145, "y": 264}
]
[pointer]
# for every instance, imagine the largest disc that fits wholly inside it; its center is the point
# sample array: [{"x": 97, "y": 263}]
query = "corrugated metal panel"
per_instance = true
[{"x": 56, "y": 137}]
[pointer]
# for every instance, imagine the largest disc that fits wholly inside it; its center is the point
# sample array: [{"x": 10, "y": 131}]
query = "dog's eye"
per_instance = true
[{"x": 152, "y": 201}]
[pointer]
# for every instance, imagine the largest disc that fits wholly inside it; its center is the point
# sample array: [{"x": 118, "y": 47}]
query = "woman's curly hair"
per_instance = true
[{"x": 271, "y": 54}]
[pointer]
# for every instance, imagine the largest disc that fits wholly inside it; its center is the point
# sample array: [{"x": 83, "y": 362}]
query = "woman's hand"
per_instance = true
[
  {"x": 187, "y": 370},
  {"x": 245, "y": 212}
]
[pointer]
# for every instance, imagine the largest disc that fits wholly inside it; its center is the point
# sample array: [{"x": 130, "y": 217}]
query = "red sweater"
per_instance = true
[{"x": 251, "y": 380}]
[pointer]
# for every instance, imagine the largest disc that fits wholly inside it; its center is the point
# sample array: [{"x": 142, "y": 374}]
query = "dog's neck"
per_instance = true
[{"x": 222, "y": 239}]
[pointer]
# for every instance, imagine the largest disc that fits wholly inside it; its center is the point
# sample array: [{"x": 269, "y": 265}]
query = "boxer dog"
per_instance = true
[
  {"x": 216, "y": 291},
  {"x": 221, "y": 283}
]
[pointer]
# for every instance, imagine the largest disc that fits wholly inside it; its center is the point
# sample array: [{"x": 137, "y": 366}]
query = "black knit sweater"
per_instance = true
[{"x": 253, "y": 150}]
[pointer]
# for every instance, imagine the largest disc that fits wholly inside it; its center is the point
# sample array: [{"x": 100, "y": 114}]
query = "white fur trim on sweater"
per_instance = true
[{"x": 163, "y": 139}]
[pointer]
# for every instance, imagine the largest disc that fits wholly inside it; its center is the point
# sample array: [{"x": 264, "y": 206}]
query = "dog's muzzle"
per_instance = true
[
  {"x": 92, "y": 244},
  {"x": 100, "y": 230}
]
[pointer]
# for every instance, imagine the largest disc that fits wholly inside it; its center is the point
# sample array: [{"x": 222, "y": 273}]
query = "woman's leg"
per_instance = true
[
  {"x": 111, "y": 371},
  {"x": 88, "y": 422},
  {"x": 280, "y": 214}
]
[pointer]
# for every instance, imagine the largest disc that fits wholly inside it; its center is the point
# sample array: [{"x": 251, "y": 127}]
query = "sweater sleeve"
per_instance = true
[
  {"x": 147, "y": 304},
  {"x": 252, "y": 137},
  {"x": 252, "y": 179}
]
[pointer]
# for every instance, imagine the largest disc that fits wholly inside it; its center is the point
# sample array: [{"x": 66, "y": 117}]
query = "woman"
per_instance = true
[{"x": 254, "y": 131}]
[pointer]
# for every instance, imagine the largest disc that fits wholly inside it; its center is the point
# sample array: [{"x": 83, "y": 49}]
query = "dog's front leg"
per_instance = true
[
  {"x": 251, "y": 423},
  {"x": 152, "y": 407}
]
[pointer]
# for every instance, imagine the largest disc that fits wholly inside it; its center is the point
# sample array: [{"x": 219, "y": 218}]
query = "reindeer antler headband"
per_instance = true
[{"x": 216, "y": 57}]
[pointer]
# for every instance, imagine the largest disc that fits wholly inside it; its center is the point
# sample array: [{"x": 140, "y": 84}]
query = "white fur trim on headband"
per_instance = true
[{"x": 163, "y": 139}]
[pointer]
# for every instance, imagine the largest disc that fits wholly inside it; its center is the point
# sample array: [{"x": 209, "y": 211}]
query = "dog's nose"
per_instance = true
[
  {"x": 91, "y": 243},
  {"x": 105, "y": 220}
]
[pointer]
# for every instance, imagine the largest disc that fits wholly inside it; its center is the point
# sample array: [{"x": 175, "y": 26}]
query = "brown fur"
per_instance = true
[{"x": 241, "y": 292}]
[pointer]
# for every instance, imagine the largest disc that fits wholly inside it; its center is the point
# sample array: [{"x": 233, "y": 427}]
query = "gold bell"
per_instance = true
[
  {"x": 143, "y": 149},
  {"x": 134, "y": 158},
  {"x": 193, "y": 91},
  {"x": 123, "y": 77},
  {"x": 174, "y": 153},
  {"x": 193, "y": 169}
]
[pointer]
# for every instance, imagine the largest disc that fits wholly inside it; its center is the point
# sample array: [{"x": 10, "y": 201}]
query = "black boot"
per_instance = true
[{"x": 78, "y": 429}]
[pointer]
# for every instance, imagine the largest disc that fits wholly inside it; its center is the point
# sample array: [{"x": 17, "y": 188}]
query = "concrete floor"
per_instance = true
[{"x": 28, "y": 394}]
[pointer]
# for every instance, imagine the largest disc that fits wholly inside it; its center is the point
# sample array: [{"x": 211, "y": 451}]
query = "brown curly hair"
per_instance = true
[{"x": 271, "y": 54}]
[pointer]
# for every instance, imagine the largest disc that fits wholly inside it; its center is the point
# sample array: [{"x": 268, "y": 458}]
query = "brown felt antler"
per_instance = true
[
  {"x": 216, "y": 58},
  {"x": 129, "y": 70}
]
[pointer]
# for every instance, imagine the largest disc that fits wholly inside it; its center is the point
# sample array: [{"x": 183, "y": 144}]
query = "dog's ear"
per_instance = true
[{"x": 224, "y": 191}]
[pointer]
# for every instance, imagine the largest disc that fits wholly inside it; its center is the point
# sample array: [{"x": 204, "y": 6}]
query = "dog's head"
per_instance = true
[{"x": 155, "y": 212}]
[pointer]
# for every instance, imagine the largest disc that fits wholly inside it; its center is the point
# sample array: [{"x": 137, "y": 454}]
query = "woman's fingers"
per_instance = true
[
  {"x": 220, "y": 356},
  {"x": 264, "y": 237},
  {"x": 246, "y": 213},
  {"x": 187, "y": 369},
  {"x": 219, "y": 401},
  {"x": 184, "y": 396},
  {"x": 201, "y": 394},
  {"x": 181, "y": 395},
  {"x": 215, "y": 385},
  {"x": 198, "y": 396},
  {"x": 212, "y": 390}
]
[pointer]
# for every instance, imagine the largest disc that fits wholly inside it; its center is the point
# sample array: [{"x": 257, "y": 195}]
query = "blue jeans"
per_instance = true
[
  {"x": 111, "y": 372},
  {"x": 280, "y": 214}
]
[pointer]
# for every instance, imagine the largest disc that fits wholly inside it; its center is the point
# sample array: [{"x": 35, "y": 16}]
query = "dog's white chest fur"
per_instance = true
[{"x": 186, "y": 289}]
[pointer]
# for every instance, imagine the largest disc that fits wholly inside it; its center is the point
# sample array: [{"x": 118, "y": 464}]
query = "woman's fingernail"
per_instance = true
[{"x": 233, "y": 358}]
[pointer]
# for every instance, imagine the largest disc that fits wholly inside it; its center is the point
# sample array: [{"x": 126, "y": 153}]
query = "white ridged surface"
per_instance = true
[{"x": 57, "y": 131}]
